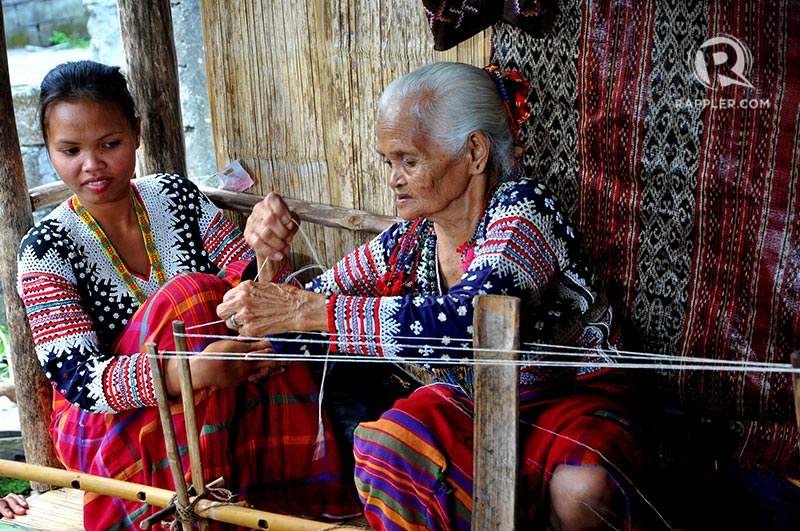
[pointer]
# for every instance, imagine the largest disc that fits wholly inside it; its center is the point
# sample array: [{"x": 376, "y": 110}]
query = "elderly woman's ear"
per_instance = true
[{"x": 478, "y": 147}]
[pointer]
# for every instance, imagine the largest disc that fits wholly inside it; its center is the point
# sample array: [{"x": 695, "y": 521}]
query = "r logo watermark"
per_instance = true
[
  {"x": 718, "y": 63},
  {"x": 720, "y": 50}
]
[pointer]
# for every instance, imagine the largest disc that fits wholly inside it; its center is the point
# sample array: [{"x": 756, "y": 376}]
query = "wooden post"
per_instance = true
[
  {"x": 213, "y": 510},
  {"x": 152, "y": 70},
  {"x": 189, "y": 414},
  {"x": 34, "y": 394},
  {"x": 173, "y": 454},
  {"x": 796, "y": 389},
  {"x": 496, "y": 328}
]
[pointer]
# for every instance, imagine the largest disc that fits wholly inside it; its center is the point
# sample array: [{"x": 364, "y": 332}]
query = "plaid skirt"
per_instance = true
[
  {"x": 414, "y": 465},
  {"x": 260, "y": 437}
]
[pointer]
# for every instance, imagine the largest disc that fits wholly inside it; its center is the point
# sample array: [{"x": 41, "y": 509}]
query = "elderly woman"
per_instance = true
[{"x": 474, "y": 224}]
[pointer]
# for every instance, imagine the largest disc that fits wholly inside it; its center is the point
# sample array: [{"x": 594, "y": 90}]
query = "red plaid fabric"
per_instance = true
[{"x": 259, "y": 437}]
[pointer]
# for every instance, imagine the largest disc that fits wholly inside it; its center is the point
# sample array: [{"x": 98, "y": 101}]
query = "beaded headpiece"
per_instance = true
[{"x": 514, "y": 92}]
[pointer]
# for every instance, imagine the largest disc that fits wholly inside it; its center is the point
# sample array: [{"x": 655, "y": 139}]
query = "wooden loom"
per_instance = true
[
  {"x": 496, "y": 458},
  {"x": 496, "y": 337}
]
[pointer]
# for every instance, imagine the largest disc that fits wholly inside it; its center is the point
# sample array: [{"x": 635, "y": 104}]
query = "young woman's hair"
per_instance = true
[
  {"x": 449, "y": 101},
  {"x": 78, "y": 80}
]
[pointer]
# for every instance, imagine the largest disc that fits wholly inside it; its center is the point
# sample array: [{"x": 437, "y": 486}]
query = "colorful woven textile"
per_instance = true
[
  {"x": 681, "y": 169},
  {"x": 259, "y": 437},
  {"x": 414, "y": 465}
]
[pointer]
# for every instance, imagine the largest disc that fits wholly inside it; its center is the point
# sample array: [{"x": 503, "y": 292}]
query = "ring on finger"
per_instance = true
[{"x": 232, "y": 322}]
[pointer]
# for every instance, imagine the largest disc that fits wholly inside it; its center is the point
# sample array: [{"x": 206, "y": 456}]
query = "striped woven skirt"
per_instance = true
[
  {"x": 260, "y": 437},
  {"x": 414, "y": 465}
]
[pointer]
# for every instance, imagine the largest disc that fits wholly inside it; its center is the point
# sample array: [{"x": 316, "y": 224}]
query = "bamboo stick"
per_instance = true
[
  {"x": 496, "y": 327},
  {"x": 189, "y": 414},
  {"x": 158, "y": 497},
  {"x": 173, "y": 455}
]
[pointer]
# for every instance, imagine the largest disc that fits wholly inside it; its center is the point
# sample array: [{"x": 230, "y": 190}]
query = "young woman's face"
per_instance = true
[{"x": 93, "y": 148}]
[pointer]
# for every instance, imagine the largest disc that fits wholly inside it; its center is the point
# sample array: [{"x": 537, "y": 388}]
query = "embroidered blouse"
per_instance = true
[
  {"x": 77, "y": 303},
  {"x": 385, "y": 297}
]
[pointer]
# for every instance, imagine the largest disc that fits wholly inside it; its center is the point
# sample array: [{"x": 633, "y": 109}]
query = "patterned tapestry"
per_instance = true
[{"x": 670, "y": 130}]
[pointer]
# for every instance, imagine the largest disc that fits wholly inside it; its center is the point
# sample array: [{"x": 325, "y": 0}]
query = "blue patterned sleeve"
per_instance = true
[{"x": 523, "y": 245}]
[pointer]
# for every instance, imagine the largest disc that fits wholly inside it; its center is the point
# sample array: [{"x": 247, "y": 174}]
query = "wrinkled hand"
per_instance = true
[
  {"x": 269, "y": 232},
  {"x": 13, "y": 504},
  {"x": 265, "y": 309},
  {"x": 212, "y": 368}
]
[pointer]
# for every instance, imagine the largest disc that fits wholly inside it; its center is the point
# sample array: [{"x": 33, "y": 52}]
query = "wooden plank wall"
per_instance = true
[{"x": 293, "y": 90}]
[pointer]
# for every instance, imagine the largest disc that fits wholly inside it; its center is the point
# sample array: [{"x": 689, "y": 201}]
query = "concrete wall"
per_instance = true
[
  {"x": 106, "y": 47},
  {"x": 188, "y": 28},
  {"x": 32, "y": 22}
]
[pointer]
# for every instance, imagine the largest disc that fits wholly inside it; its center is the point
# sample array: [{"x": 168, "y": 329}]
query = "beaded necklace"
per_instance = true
[{"x": 147, "y": 237}]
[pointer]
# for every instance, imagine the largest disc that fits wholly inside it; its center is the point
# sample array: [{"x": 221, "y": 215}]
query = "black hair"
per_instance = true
[{"x": 76, "y": 80}]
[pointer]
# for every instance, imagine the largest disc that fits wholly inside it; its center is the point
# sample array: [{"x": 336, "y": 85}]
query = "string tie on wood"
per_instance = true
[{"x": 186, "y": 514}]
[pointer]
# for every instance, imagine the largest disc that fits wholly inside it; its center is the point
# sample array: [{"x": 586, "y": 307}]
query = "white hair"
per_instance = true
[{"x": 449, "y": 101}]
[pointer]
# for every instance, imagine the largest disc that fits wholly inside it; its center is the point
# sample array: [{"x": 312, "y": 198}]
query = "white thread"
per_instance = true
[
  {"x": 559, "y": 350},
  {"x": 203, "y": 325},
  {"x": 320, "y": 451},
  {"x": 303, "y": 270},
  {"x": 260, "y": 269},
  {"x": 770, "y": 368},
  {"x": 647, "y": 361},
  {"x": 310, "y": 247}
]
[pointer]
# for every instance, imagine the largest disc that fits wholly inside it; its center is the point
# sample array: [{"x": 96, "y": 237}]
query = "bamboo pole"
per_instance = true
[
  {"x": 496, "y": 327},
  {"x": 152, "y": 68},
  {"x": 34, "y": 393},
  {"x": 173, "y": 454},
  {"x": 189, "y": 414},
  {"x": 157, "y": 497}
]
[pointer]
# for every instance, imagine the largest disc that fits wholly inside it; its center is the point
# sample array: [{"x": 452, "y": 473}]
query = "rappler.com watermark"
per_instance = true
[{"x": 718, "y": 63}]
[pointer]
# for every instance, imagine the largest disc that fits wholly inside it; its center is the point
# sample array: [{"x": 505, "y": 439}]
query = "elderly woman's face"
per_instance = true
[{"x": 427, "y": 182}]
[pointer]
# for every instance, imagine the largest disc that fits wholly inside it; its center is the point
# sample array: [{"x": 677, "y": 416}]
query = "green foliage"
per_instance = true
[
  {"x": 18, "y": 40},
  {"x": 5, "y": 352},
  {"x": 73, "y": 40},
  {"x": 17, "y": 486}
]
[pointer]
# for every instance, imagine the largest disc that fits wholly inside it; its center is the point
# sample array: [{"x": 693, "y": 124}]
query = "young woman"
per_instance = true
[{"x": 110, "y": 269}]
